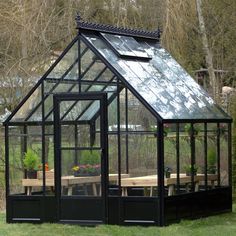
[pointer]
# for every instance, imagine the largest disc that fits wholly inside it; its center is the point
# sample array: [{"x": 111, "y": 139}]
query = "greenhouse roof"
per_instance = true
[
  {"x": 133, "y": 56},
  {"x": 152, "y": 72}
]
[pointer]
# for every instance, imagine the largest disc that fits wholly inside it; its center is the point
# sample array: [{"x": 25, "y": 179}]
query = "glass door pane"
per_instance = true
[{"x": 82, "y": 157}]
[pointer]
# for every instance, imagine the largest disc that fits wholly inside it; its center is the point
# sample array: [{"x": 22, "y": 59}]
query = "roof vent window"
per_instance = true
[{"x": 126, "y": 46}]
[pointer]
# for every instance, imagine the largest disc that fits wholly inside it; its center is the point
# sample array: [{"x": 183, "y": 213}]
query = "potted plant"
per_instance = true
[
  {"x": 189, "y": 169},
  {"x": 30, "y": 162},
  {"x": 211, "y": 161},
  {"x": 75, "y": 170},
  {"x": 86, "y": 170},
  {"x": 167, "y": 171},
  {"x": 89, "y": 164}
]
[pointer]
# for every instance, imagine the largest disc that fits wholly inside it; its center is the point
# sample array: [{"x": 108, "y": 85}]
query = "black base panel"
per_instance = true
[
  {"x": 84, "y": 210},
  {"x": 121, "y": 211},
  {"x": 113, "y": 210},
  {"x": 198, "y": 204},
  {"x": 138, "y": 211},
  {"x": 31, "y": 209}
]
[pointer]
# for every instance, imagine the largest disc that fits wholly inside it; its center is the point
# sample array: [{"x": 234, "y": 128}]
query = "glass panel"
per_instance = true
[
  {"x": 48, "y": 85},
  {"x": 49, "y": 100},
  {"x": 49, "y": 163},
  {"x": 90, "y": 66},
  {"x": 141, "y": 165},
  {"x": 67, "y": 68},
  {"x": 212, "y": 159},
  {"x": 163, "y": 61},
  {"x": 167, "y": 88},
  {"x": 112, "y": 115},
  {"x": 139, "y": 118},
  {"x": 107, "y": 76},
  {"x": 224, "y": 165},
  {"x": 185, "y": 157},
  {"x": 67, "y": 136},
  {"x": 59, "y": 87},
  {"x": 93, "y": 109},
  {"x": 118, "y": 44},
  {"x": 87, "y": 136},
  {"x": 22, "y": 169},
  {"x": 16, "y": 166},
  {"x": 113, "y": 163},
  {"x": 90, "y": 111},
  {"x": 125, "y": 46},
  {"x": 81, "y": 172},
  {"x": 48, "y": 105},
  {"x": 34, "y": 145},
  {"x": 81, "y": 110},
  {"x": 29, "y": 106},
  {"x": 170, "y": 159},
  {"x": 94, "y": 72},
  {"x": 199, "y": 156}
]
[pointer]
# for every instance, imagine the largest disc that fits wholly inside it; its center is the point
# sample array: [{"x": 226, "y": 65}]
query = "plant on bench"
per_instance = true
[
  {"x": 30, "y": 162},
  {"x": 89, "y": 164},
  {"x": 191, "y": 169}
]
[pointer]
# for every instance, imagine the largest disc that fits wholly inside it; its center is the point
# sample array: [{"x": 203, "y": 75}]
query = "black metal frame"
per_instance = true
[{"x": 117, "y": 209}]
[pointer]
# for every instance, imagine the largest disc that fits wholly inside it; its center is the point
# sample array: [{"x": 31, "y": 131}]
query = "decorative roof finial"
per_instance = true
[
  {"x": 81, "y": 24},
  {"x": 78, "y": 19},
  {"x": 159, "y": 32}
]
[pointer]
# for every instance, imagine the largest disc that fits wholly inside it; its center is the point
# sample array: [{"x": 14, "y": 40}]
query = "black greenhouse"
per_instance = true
[{"x": 117, "y": 132}]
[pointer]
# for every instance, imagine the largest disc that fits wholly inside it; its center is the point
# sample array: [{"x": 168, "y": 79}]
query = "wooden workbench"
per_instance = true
[
  {"x": 151, "y": 181},
  {"x": 70, "y": 181}
]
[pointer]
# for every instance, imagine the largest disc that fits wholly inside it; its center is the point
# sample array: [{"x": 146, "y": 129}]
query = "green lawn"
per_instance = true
[{"x": 224, "y": 224}]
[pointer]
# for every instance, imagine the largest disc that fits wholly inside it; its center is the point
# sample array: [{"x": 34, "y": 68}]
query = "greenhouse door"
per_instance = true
[{"x": 80, "y": 129}]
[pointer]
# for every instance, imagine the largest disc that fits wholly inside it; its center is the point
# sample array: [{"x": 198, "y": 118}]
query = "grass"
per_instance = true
[{"x": 224, "y": 224}]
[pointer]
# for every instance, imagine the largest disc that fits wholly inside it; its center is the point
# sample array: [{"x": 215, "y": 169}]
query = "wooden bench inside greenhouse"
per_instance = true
[
  {"x": 150, "y": 182},
  {"x": 69, "y": 181}
]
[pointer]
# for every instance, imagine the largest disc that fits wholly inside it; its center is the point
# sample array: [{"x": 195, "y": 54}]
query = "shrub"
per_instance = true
[{"x": 30, "y": 160}]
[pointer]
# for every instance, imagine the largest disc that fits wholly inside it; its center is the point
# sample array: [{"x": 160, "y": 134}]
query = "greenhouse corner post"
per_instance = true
[
  {"x": 7, "y": 165},
  {"x": 205, "y": 155},
  {"x": 230, "y": 153},
  {"x": 218, "y": 153},
  {"x": 177, "y": 157},
  {"x": 193, "y": 157},
  {"x": 160, "y": 170},
  {"x": 57, "y": 157}
]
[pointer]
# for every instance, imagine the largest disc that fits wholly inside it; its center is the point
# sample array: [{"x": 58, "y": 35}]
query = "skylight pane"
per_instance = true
[{"x": 126, "y": 46}]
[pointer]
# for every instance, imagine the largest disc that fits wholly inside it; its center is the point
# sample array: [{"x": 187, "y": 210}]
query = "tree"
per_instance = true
[{"x": 207, "y": 51}]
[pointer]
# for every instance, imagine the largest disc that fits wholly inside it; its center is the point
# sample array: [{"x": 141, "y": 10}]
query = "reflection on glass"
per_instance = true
[{"x": 170, "y": 91}]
